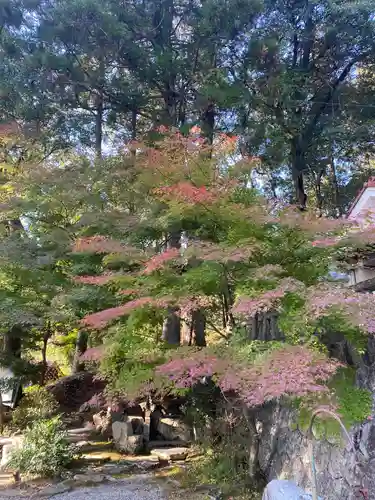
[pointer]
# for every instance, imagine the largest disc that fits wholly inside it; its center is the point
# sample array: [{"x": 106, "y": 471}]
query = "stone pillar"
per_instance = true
[{"x": 146, "y": 426}]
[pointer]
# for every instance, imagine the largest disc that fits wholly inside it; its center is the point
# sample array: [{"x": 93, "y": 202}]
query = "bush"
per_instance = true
[
  {"x": 45, "y": 451},
  {"x": 37, "y": 404}
]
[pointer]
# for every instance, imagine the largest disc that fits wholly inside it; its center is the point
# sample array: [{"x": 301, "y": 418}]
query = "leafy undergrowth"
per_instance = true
[
  {"x": 217, "y": 470},
  {"x": 45, "y": 450}
]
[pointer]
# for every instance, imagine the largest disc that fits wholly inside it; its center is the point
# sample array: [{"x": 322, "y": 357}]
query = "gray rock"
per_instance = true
[
  {"x": 124, "y": 439},
  {"x": 89, "y": 478},
  {"x": 147, "y": 465},
  {"x": 137, "y": 424},
  {"x": 121, "y": 430},
  {"x": 55, "y": 489},
  {"x": 284, "y": 452},
  {"x": 171, "y": 454},
  {"x": 132, "y": 445},
  {"x": 8, "y": 449},
  {"x": 102, "y": 422},
  {"x": 174, "y": 429},
  {"x": 115, "y": 470},
  {"x": 12, "y": 493}
]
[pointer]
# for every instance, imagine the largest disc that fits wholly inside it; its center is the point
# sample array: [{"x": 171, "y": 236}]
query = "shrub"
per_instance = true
[
  {"x": 45, "y": 451},
  {"x": 37, "y": 404}
]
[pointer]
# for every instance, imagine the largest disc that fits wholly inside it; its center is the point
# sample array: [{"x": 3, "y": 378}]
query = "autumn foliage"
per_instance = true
[
  {"x": 290, "y": 371},
  {"x": 236, "y": 257}
]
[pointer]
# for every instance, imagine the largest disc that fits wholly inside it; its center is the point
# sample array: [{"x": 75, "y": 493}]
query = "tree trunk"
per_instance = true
[
  {"x": 171, "y": 333},
  {"x": 47, "y": 335},
  {"x": 99, "y": 108},
  {"x": 193, "y": 331},
  {"x": 318, "y": 192},
  {"x": 1, "y": 414},
  {"x": 12, "y": 349},
  {"x": 254, "y": 466},
  {"x": 99, "y": 126},
  {"x": 208, "y": 122},
  {"x": 228, "y": 302},
  {"x": 44, "y": 361},
  {"x": 187, "y": 332},
  {"x": 13, "y": 343},
  {"x": 298, "y": 166},
  {"x": 199, "y": 328},
  {"x": 336, "y": 191},
  {"x": 81, "y": 347}
]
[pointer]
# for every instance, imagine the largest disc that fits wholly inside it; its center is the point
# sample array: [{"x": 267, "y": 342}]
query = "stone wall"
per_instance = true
[
  {"x": 343, "y": 472},
  {"x": 285, "y": 454}
]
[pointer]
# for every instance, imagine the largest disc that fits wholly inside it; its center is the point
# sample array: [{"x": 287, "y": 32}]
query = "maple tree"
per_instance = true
[
  {"x": 149, "y": 157},
  {"x": 239, "y": 257}
]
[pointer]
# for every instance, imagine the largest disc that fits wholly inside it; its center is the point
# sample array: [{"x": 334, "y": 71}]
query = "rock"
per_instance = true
[
  {"x": 80, "y": 435},
  {"x": 131, "y": 445},
  {"x": 120, "y": 430},
  {"x": 137, "y": 424},
  {"x": 124, "y": 439},
  {"x": 5, "y": 440},
  {"x": 89, "y": 478},
  {"x": 174, "y": 429},
  {"x": 171, "y": 454},
  {"x": 116, "y": 470},
  {"x": 103, "y": 422},
  {"x": 73, "y": 420},
  {"x": 284, "y": 490},
  {"x": 166, "y": 444},
  {"x": 15, "y": 443},
  {"x": 12, "y": 493},
  {"x": 148, "y": 465},
  {"x": 111, "y": 479},
  {"x": 81, "y": 444},
  {"x": 55, "y": 489}
]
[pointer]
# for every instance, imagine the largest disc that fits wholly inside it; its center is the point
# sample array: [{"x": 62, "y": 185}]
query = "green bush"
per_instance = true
[
  {"x": 37, "y": 404},
  {"x": 45, "y": 451}
]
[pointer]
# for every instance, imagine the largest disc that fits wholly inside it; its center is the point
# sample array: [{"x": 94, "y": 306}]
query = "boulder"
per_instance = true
[
  {"x": 131, "y": 445},
  {"x": 120, "y": 430},
  {"x": 284, "y": 490},
  {"x": 7, "y": 450},
  {"x": 137, "y": 424},
  {"x": 124, "y": 439},
  {"x": 103, "y": 422},
  {"x": 172, "y": 429},
  {"x": 171, "y": 454}
]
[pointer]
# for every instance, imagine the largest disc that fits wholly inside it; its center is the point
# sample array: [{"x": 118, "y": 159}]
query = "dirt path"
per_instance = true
[
  {"x": 102, "y": 473},
  {"x": 128, "y": 489}
]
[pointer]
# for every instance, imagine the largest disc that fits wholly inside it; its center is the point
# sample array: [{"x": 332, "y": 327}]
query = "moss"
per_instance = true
[{"x": 354, "y": 405}]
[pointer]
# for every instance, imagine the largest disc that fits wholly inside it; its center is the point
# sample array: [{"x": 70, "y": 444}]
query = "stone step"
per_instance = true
[
  {"x": 167, "y": 444},
  {"x": 80, "y": 430},
  {"x": 82, "y": 434},
  {"x": 170, "y": 454}
]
